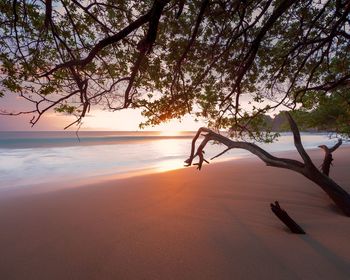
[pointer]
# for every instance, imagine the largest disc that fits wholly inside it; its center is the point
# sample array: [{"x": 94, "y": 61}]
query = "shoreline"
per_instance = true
[
  {"x": 81, "y": 182},
  {"x": 63, "y": 139},
  {"x": 83, "y": 164}
]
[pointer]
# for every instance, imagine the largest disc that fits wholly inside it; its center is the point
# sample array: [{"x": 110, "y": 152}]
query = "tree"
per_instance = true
[
  {"x": 325, "y": 112},
  {"x": 229, "y": 62}
]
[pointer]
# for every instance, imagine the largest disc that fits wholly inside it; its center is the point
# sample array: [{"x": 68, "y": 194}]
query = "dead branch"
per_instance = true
[
  {"x": 328, "y": 158},
  {"x": 269, "y": 159},
  {"x": 286, "y": 219},
  {"x": 297, "y": 141},
  {"x": 340, "y": 197},
  {"x": 220, "y": 154}
]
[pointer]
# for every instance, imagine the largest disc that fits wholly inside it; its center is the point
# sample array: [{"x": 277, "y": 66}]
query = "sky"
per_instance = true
[
  {"x": 126, "y": 120},
  {"x": 97, "y": 119}
]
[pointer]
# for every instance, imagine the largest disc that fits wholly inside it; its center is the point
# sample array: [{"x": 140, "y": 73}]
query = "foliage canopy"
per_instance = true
[{"x": 229, "y": 62}]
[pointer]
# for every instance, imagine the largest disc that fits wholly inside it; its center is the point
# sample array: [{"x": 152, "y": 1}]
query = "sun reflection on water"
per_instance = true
[
  {"x": 171, "y": 151},
  {"x": 170, "y": 165},
  {"x": 169, "y": 133}
]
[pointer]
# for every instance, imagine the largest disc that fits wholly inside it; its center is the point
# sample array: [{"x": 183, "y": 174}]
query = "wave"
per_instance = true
[
  {"x": 58, "y": 139},
  {"x": 27, "y": 159}
]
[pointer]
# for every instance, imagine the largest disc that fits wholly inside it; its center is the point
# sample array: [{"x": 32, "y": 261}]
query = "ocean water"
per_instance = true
[{"x": 30, "y": 158}]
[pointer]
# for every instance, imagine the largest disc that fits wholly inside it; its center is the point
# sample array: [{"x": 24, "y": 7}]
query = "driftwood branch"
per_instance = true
[
  {"x": 305, "y": 167},
  {"x": 297, "y": 140},
  {"x": 285, "y": 218},
  {"x": 269, "y": 159},
  {"x": 328, "y": 158}
]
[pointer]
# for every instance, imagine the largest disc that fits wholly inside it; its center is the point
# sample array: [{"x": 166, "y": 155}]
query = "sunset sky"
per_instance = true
[
  {"x": 126, "y": 120},
  {"x": 97, "y": 119}
]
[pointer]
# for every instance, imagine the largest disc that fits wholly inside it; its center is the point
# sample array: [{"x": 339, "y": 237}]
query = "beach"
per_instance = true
[{"x": 181, "y": 224}]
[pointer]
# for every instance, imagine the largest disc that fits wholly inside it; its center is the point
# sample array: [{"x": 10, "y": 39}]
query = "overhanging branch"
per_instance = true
[{"x": 102, "y": 44}]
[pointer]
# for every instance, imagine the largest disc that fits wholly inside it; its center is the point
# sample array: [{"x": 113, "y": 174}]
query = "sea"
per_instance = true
[{"x": 50, "y": 157}]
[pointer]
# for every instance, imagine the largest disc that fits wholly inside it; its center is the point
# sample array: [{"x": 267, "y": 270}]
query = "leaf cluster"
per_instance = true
[{"x": 227, "y": 62}]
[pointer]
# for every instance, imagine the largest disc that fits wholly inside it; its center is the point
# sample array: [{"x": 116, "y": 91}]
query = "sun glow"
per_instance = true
[
  {"x": 170, "y": 165},
  {"x": 173, "y": 149},
  {"x": 129, "y": 120},
  {"x": 169, "y": 133}
]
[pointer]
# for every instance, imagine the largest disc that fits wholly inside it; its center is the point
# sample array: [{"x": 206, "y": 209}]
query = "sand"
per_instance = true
[{"x": 183, "y": 224}]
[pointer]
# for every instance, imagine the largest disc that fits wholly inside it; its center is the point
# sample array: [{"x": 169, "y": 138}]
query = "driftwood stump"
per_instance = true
[
  {"x": 286, "y": 219},
  {"x": 328, "y": 158}
]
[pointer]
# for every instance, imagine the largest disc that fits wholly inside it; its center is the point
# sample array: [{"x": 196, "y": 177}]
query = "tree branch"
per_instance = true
[
  {"x": 251, "y": 54},
  {"x": 269, "y": 159},
  {"x": 102, "y": 44},
  {"x": 285, "y": 218},
  {"x": 181, "y": 5},
  {"x": 190, "y": 43},
  {"x": 48, "y": 13},
  {"x": 145, "y": 46},
  {"x": 297, "y": 141},
  {"x": 339, "y": 196},
  {"x": 328, "y": 158}
]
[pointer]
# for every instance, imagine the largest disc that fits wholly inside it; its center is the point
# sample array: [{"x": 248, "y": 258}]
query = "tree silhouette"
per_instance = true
[{"x": 229, "y": 62}]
